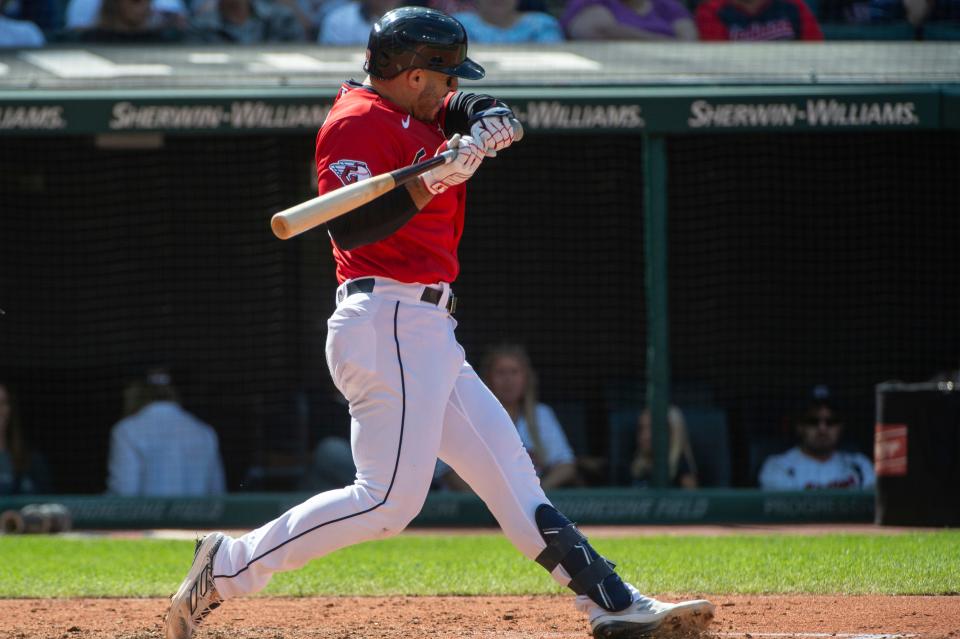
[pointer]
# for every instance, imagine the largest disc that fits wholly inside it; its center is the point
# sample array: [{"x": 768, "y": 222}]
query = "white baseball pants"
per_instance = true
[{"x": 413, "y": 398}]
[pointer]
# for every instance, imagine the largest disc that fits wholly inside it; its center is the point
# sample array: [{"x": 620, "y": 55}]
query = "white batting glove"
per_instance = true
[
  {"x": 458, "y": 170},
  {"x": 492, "y": 129}
]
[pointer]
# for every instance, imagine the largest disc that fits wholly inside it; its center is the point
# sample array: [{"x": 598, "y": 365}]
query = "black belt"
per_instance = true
[{"x": 430, "y": 295}]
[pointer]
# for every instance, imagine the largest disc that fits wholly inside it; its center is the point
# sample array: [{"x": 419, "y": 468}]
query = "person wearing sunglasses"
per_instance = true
[{"x": 816, "y": 461}]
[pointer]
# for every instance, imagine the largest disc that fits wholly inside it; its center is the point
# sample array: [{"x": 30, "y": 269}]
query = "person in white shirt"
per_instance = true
[
  {"x": 817, "y": 462},
  {"x": 161, "y": 450},
  {"x": 508, "y": 373}
]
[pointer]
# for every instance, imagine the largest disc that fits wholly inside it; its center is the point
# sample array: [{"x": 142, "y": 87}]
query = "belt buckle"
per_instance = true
[{"x": 452, "y": 304}]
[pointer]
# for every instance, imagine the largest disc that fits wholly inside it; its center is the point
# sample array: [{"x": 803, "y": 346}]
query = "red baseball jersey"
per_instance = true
[
  {"x": 770, "y": 20},
  {"x": 366, "y": 135}
]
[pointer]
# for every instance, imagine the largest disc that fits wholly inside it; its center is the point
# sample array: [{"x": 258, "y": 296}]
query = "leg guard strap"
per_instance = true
[
  {"x": 559, "y": 546},
  {"x": 591, "y": 574}
]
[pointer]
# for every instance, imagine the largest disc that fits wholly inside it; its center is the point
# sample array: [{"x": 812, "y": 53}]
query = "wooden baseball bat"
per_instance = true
[{"x": 320, "y": 210}]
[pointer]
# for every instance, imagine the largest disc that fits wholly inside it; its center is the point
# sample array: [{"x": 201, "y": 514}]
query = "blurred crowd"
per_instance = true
[
  {"x": 159, "y": 449},
  {"x": 34, "y": 23}
]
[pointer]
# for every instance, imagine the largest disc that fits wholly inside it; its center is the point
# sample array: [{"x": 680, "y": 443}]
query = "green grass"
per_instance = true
[{"x": 917, "y": 563}]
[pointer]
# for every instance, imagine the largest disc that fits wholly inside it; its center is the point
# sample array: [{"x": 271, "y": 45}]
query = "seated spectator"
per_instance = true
[
  {"x": 125, "y": 22},
  {"x": 756, "y": 20},
  {"x": 21, "y": 471},
  {"x": 682, "y": 471},
  {"x": 246, "y": 22},
  {"x": 628, "y": 20},
  {"x": 84, "y": 14},
  {"x": 508, "y": 373},
  {"x": 350, "y": 23},
  {"x": 18, "y": 33},
  {"x": 159, "y": 449},
  {"x": 816, "y": 462},
  {"x": 501, "y": 22}
]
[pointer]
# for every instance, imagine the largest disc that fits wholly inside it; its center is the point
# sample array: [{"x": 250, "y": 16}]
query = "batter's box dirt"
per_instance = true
[{"x": 749, "y": 617}]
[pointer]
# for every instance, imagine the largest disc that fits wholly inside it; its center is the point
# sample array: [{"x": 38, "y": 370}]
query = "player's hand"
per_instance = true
[
  {"x": 491, "y": 128},
  {"x": 458, "y": 170}
]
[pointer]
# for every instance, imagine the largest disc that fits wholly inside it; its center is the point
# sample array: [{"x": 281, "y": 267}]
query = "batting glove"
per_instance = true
[
  {"x": 458, "y": 170},
  {"x": 492, "y": 129}
]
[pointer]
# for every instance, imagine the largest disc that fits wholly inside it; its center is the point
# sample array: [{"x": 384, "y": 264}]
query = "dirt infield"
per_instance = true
[{"x": 540, "y": 617}]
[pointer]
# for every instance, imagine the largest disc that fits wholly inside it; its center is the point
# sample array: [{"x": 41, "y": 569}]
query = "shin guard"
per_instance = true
[{"x": 591, "y": 574}]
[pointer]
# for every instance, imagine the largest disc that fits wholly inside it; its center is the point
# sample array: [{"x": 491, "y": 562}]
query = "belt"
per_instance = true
[{"x": 429, "y": 295}]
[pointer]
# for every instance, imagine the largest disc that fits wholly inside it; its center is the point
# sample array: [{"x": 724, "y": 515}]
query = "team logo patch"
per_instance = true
[{"x": 350, "y": 171}]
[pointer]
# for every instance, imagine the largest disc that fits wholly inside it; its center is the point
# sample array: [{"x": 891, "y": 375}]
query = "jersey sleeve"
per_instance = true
[
  {"x": 350, "y": 150},
  {"x": 809, "y": 29},
  {"x": 774, "y": 475},
  {"x": 867, "y": 474},
  {"x": 709, "y": 24}
]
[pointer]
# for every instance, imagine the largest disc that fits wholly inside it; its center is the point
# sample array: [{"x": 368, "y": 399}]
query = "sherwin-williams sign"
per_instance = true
[{"x": 689, "y": 110}]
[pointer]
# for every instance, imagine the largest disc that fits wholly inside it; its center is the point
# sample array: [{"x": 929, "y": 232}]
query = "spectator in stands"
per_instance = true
[
  {"x": 159, "y": 449},
  {"x": 125, "y": 22},
  {"x": 682, "y": 471},
  {"x": 756, "y": 20},
  {"x": 817, "y": 462},
  {"x": 21, "y": 471},
  {"x": 85, "y": 14},
  {"x": 350, "y": 23},
  {"x": 18, "y": 33},
  {"x": 246, "y": 22},
  {"x": 45, "y": 14},
  {"x": 628, "y": 20},
  {"x": 916, "y": 12},
  {"x": 509, "y": 374},
  {"x": 502, "y": 22}
]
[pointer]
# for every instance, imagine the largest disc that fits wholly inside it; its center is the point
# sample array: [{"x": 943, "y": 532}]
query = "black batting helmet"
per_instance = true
[{"x": 419, "y": 38}]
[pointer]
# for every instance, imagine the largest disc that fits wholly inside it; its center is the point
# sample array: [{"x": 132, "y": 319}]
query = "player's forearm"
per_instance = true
[
  {"x": 376, "y": 220},
  {"x": 419, "y": 193}
]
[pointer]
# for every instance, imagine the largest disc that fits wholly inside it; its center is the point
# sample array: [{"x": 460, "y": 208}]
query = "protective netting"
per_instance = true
[
  {"x": 794, "y": 260},
  {"x": 805, "y": 260},
  {"x": 114, "y": 261}
]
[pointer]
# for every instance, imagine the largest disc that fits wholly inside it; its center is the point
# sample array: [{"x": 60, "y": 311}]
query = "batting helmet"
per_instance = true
[{"x": 419, "y": 38}]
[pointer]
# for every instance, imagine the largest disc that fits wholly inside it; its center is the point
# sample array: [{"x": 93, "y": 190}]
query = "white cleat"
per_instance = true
[
  {"x": 197, "y": 594},
  {"x": 651, "y": 618}
]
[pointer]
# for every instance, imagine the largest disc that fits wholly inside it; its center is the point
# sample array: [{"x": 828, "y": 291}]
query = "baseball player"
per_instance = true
[{"x": 392, "y": 351}]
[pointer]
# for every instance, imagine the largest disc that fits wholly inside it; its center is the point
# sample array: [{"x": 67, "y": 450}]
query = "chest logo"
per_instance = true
[
  {"x": 406, "y": 122},
  {"x": 350, "y": 171}
]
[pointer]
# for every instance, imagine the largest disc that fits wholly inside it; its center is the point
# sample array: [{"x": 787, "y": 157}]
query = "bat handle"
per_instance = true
[{"x": 517, "y": 129}]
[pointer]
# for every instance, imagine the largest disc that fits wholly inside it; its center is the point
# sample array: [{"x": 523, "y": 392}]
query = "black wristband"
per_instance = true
[{"x": 462, "y": 107}]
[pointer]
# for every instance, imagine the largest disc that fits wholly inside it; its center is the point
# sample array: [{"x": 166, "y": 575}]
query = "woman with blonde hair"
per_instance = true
[
  {"x": 682, "y": 467},
  {"x": 507, "y": 371}
]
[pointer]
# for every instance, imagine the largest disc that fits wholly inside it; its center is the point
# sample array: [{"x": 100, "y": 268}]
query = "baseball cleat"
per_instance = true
[
  {"x": 651, "y": 618},
  {"x": 197, "y": 594}
]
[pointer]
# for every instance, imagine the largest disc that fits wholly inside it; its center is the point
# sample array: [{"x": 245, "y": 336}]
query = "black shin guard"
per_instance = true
[{"x": 591, "y": 574}]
